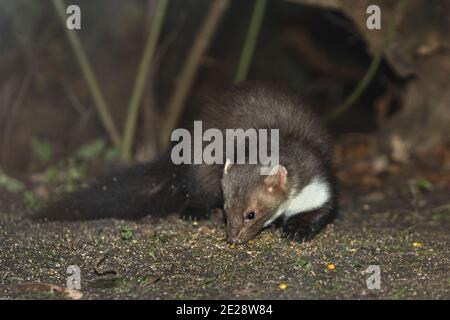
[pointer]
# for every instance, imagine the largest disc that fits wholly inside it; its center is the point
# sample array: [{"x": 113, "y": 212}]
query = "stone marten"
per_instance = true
[{"x": 299, "y": 194}]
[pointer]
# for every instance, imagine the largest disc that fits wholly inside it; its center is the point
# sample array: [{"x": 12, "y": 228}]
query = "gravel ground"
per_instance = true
[{"x": 406, "y": 236}]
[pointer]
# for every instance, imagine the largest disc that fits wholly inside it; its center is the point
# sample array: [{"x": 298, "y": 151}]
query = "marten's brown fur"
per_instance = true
[{"x": 304, "y": 179}]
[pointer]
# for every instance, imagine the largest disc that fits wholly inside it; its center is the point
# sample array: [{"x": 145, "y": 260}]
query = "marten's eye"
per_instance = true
[{"x": 250, "y": 215}]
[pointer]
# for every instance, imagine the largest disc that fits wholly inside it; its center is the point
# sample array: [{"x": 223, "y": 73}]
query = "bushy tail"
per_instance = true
[{"x": 156, "y": 188}]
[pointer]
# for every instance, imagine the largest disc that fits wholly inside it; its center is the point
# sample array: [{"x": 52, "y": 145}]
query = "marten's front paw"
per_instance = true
[
  {"x": 194, "y": 215},
  {"x": 299, "y": 234}
]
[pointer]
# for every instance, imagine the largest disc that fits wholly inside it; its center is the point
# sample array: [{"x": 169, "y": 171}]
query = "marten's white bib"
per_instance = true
[{"x": 311, "y": 197}]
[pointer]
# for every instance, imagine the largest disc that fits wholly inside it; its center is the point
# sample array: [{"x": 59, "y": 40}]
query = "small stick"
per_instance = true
[{"x": 102, "y": 272}]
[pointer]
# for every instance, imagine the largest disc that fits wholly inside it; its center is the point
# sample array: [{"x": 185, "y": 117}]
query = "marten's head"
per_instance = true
[{"x": 251, "y": 200}]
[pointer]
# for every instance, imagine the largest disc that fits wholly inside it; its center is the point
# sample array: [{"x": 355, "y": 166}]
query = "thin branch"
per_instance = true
[
  {"x": 190, "y": 68},
  {"x": 370, "y": 73},
  {"x": 89, "y": 76},
  {"x": 250, "y": 41},
  {"x": 144, "y": 68}
]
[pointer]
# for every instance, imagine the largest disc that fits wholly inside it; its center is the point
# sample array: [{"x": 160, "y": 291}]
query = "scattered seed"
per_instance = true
[{"x": 331, "y": 266}]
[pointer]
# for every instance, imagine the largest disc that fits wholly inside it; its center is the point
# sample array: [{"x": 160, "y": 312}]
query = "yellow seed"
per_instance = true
[
  {"x": 417, "y": 244},
  {"x": 283, "y": 286},
  {"x": 195, "y": 223},
  {"x": 331, "y": 266}
]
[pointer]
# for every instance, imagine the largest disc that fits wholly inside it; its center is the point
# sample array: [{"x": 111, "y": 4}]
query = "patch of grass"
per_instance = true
[
  {"x": 41, "y": 149},
  {"x": 147, "y": 280},
  {"x": 91, "y": 150},
  {"x": 303, "y": 263},
  {"x": 151, "y": 253},
  {"x": 400, "y": 294},
  {"x": 159, "y": 238},
  {"x": 111, "y": 154},
  {"x": 423, "y": 184},
  {"x": 127, "y": 233},
  {"x": 10, "y": 184},
  {"x": 30, "y": 200},
  {"x": 67, "y": 173}
]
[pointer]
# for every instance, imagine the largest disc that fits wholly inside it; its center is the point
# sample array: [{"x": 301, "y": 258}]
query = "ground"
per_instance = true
[{"x": 402, "y": 229}]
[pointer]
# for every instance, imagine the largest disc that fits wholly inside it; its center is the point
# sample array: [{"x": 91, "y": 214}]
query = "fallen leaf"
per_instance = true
[{"x": 48, "y": 287}]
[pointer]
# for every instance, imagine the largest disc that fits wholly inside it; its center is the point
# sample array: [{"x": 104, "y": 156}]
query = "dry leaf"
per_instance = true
[{"x": 48, "y": 287}]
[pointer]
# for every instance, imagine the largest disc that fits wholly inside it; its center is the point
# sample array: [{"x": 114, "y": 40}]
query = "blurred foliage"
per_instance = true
[
  {"x": 127, "y": 233},
  {"x": 30, "y": 199},
  {"x": 18, "y": 20},
  {"x": 423, "y": 184},
  {"x": 96, "y": 149},
  {"x": 92, "y": 150},
  {"x": 10, "y": 184},
  {"x": 67, "y": 174},
  {"x": 41, "y": 149}
]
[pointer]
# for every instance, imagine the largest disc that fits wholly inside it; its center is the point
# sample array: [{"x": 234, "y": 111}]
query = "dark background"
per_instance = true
[{"x": 392, "y": 150}]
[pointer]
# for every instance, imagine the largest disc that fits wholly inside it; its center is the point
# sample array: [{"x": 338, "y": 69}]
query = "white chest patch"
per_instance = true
[{"x": 311, "y": 197}]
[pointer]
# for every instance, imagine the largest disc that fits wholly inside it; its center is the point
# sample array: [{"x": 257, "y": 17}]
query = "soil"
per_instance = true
[{"x": 403, "y": 232}]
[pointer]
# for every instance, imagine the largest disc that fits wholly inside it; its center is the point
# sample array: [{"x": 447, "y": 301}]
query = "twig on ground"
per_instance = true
[{"x": 101, "y": 272}]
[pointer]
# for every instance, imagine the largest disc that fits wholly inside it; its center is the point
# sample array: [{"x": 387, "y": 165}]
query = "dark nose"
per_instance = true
[{"x": 235, "y": 240}]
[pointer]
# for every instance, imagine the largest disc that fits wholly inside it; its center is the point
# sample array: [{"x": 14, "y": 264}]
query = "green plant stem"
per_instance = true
[
  {"x": 189, "y": 71},
  {"x": 143, "y": 71},
  {"x": 370, "y": 73},
  {"x": 250, "y": 41},
  {"x": 359, "y": 89},
  {"x": 89, "y": 76}
]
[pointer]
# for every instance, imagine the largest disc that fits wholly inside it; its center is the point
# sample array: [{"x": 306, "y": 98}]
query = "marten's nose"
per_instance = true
[{"x": 235, "y": 240}]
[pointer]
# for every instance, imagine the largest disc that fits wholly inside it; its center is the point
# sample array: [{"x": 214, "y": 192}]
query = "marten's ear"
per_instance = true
[
  {"x": 227, "y": 166},
  {"x": 277, "y": 179}
]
